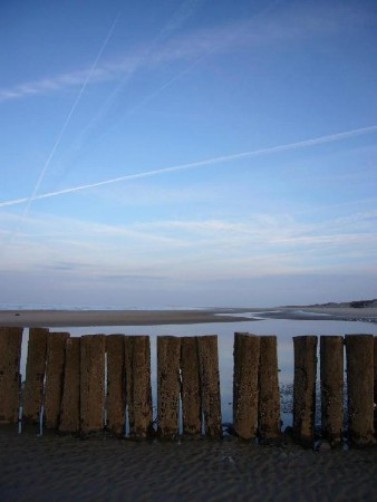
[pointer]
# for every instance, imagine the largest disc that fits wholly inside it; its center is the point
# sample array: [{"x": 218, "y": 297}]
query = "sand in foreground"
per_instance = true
[{"x": 65, "y": 468}]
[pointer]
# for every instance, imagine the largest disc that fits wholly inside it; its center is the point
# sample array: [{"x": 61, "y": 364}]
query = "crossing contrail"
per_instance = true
[
  {"x": 331, "y": 138},
  {"x": 42, "y": 174}
]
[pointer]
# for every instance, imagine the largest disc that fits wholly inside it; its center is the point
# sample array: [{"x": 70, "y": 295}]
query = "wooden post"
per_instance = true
[
  {"x": 128, "y": 366},
  {"x": 210, "y": 385},
  {"x": 35, "y": 373},
  {"x": 191, "y": 400},
  {"x": 70, "y": 405},
  {"x": 116, "y": 385},
  {"x": 375, "y": 385},
  {"x": 10, "y": 354},
  {"x": 269, "y": 393},
  {"x": 360, "y": 380},
  {"x": 304, "y": 391},
  {"x": 92, "y": 383},
  {"x": 168, "y": 385},
  {"x": 138, "y": 385},
  {"x": 332, "y": 375},
  {"x": 54, "y": 377},
  {"x": 246, "y": 354}
]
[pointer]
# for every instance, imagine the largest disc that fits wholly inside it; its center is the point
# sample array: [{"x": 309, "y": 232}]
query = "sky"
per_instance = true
[{"x": 159, "y": 154}]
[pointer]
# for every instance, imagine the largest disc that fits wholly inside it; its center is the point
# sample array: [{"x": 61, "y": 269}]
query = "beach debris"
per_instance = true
[{"x": 322, "y": 446}]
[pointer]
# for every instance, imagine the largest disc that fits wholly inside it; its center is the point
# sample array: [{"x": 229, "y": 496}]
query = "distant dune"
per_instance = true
[{"x": 350, "y": 304}]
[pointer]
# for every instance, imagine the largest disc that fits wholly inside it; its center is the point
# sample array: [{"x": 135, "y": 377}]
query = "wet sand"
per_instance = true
[
  {"x": 322, "y": 313},
  {"x": 64, "y": 468},
  {"x": 61, "y": 318}
]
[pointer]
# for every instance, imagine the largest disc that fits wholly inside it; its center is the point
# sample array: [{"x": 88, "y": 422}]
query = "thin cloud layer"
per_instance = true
[
  {"x": 258, "y": 245},
  {"x": 265, "y": 28}
]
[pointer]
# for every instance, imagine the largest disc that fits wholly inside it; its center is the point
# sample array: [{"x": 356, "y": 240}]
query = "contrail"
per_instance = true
[
  {"x": 185, "y": 11},
  {"x": 42, "y": 174},
  {"x": 331, "y": 138}
]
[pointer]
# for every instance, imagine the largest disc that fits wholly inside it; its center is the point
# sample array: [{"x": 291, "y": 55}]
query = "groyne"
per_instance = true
[{"x": 88, "y": 384}]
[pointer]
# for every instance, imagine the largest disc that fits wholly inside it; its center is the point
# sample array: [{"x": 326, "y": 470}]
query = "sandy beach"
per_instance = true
[
  {"x": 63, "y": 468},
  {"x": 337, "y": 313},
  {"x": 60, "y": 468},
  {"x": 62, "y": 318}
]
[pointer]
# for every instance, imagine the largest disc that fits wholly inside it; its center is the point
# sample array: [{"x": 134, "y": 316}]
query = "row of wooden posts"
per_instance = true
[{"x": 78, "y": 381}]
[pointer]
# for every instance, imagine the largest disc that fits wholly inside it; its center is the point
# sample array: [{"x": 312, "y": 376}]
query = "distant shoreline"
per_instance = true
[
  {"x": 61, "y": 318},
  {"x": 73, "y": 318}
]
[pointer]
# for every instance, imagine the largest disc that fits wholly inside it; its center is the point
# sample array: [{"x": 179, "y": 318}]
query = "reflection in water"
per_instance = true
[{"x": 283, "y": 329}]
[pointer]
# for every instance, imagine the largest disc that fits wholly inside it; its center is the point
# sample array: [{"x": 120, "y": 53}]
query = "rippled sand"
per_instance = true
[{"x": 60, "y": 468}]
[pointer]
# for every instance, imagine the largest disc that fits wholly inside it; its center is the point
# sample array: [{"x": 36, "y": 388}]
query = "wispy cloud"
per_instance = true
[
  {"x": 209, "y": 248},
  {"x": 76, "y": 78},
  {"x": 286, "y": 25},
  {"x": 272, "y": 230},
  {"x": 330, "y": 138}
]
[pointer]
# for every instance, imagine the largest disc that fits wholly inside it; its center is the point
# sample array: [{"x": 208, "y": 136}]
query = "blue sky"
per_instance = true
[{"x": 187, "y": 153}]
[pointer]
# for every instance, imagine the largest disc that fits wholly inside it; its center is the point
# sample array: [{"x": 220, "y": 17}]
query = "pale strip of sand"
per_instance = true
[
  {"x": 58, "y": 468},
  {"x": 322, "y": 313},
  {"x": 366, "y": 313},
  {"x": 61, "y": 318},
  {"x": 65, "y": 318}
]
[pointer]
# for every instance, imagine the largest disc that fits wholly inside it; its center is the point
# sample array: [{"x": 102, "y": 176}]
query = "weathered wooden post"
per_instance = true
[
  {"x": 191, "y": 392},
  {"x": 128, "y": 367},
  {"x": 138, "y": 385},
  {"x": 10, "y": 354},
  {"x": 168, "y": 385},
  {"x": 304, "y": 388},
  {"x": 35, "y": 373},
  {"x": 54, "y": 377},
  {"x": 210, "y": 384},
  {"x": 116, "y": 385},
  {"x": 332, "y": 376},
  {"x": 375, "y": 385},
  {"x": 70, "y": 405},
  {"x": 246, "y": 354},
  {"x": 360, "y": 382},
  {"x": 269, "y": 393},
  {"x": 92, "y": 383}
]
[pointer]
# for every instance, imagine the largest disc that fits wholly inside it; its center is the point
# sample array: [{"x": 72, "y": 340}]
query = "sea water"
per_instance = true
[{"x": 285, "y": 330}]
